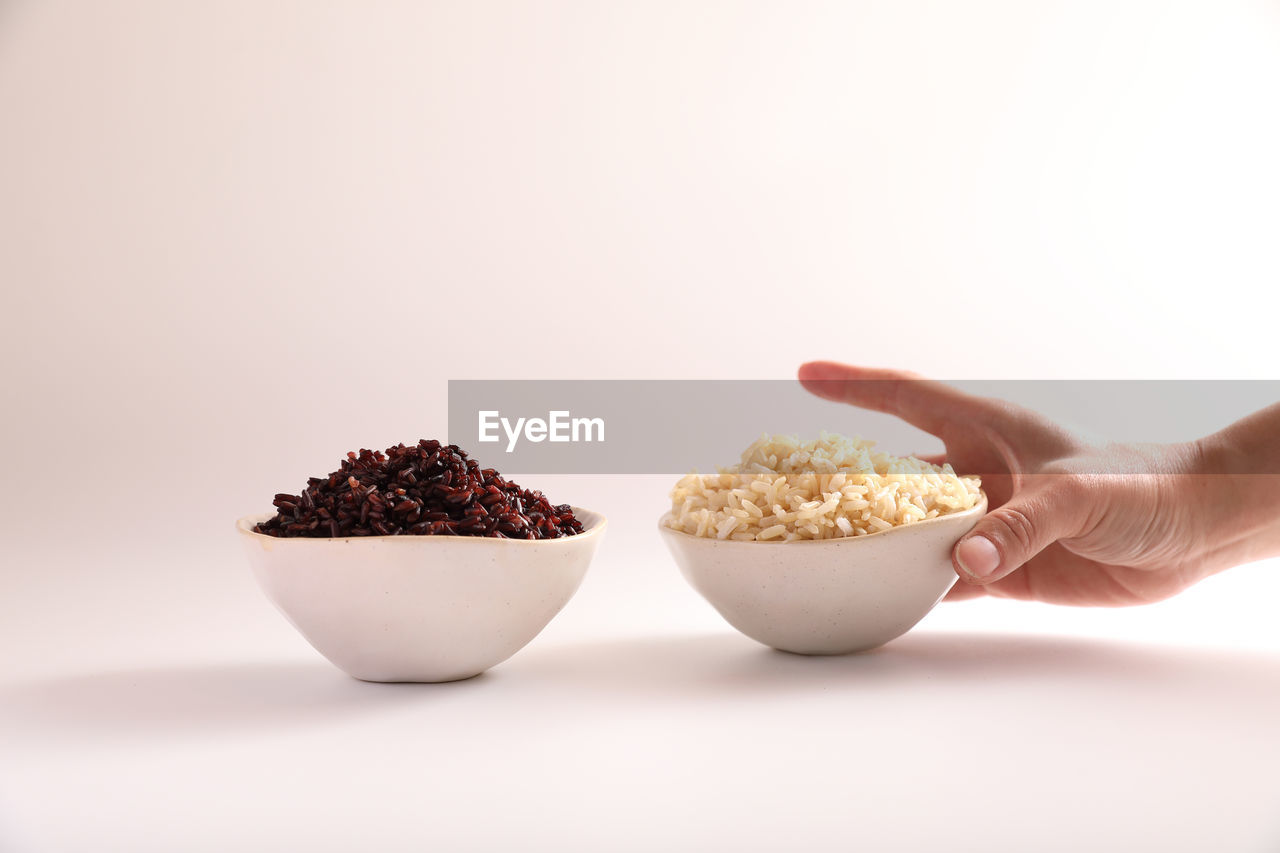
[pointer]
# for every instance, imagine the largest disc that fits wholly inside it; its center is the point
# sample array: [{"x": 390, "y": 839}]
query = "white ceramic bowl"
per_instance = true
[
  {"x": 830, "y": 596},
  {"x": 420, "y": 608}
]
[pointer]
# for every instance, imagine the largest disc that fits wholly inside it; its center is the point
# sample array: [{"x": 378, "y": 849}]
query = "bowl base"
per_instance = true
[
  {"x": 448, "y": 679},
  {"x": 827, "y": 653}
]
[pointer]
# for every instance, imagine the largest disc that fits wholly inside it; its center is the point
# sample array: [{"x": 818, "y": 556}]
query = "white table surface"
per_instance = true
[
  {"x": 206, "y": 210},
  {"x": 162, "y": 704}
]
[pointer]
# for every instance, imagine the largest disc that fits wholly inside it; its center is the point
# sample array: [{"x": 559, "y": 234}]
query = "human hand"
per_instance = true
[{"x": 1070, "y": 521}]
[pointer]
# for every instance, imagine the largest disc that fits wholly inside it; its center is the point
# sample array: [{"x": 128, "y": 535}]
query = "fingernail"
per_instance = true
[
  {"x": 818, "y": 370},
  {"x": 978, "y": 557}
]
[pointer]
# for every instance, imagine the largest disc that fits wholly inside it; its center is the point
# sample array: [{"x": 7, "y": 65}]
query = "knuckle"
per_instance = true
[
  {"x": 1074, "y": 499},
  {"x": 1016, "y": 526},
  {"x": 1068, "y": 485}
]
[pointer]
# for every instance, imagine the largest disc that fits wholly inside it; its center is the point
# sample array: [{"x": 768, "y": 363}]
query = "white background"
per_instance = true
[{"x": 238, "y": 239}]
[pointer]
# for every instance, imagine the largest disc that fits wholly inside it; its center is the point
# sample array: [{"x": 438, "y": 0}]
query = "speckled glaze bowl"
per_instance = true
[
  {"x": 420, "y": 608},
  {"x": 826, "y": 597}
]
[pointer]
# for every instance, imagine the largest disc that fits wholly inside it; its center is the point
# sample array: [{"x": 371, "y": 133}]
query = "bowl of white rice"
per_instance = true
[{"x": 821, "y": 547}]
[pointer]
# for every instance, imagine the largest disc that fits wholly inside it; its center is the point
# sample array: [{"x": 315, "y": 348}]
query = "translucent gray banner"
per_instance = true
[{"x": 674, "y": 426}]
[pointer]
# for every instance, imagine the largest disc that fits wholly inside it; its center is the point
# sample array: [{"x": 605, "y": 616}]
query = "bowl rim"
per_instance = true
[
  {"x": 977, "y": 509},
  {"x": 594, "y": 524}
]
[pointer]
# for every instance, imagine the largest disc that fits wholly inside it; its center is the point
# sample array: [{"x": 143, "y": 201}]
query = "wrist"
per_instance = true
[
  {"x": 1236, "y": 490},
  {"x": 1250, "y": 446},
  {"x": 1218, "y": 455}
]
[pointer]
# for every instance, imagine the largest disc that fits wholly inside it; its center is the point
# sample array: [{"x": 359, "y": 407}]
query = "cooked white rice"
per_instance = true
[{"x": 786, "y": 490}]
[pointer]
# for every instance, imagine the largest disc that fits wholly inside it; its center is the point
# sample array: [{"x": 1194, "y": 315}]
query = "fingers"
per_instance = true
[
  {"x": 920, "y": 402},
  {"x": 1058, "y": 576},
  {"x": 938, "y": 459},
  {"x": 1007, "y": 537}
]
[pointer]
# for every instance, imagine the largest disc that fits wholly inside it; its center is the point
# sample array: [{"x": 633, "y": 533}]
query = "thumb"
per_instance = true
[{"x": 1032, "y": 520}]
